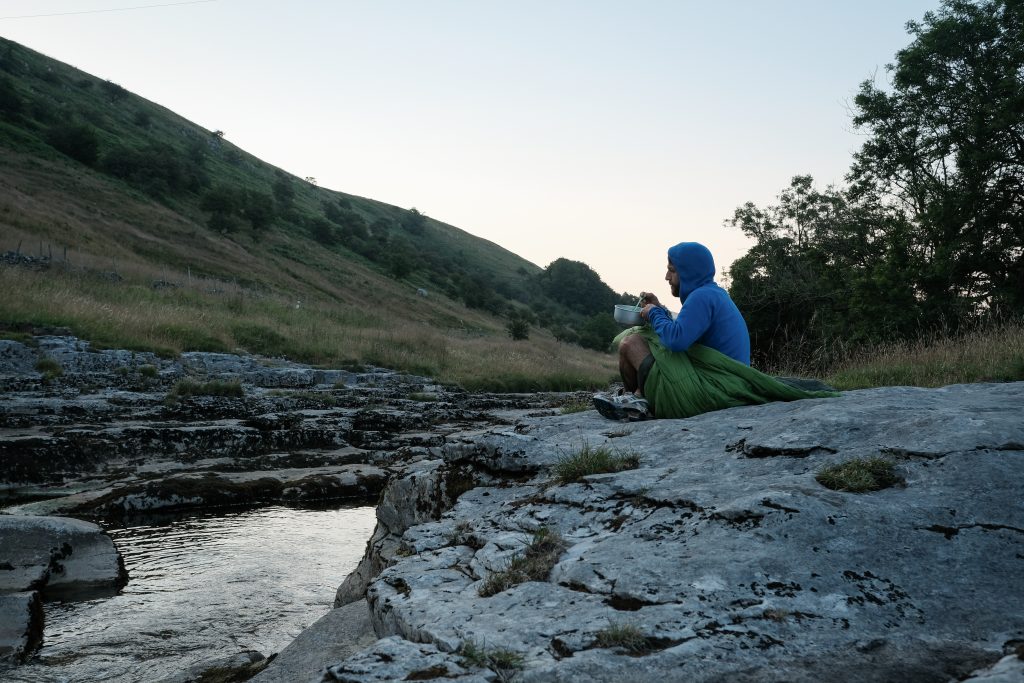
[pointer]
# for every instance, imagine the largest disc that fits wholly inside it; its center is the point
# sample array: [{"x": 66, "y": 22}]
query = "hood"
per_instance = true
[{"x": 695, "y": 265}]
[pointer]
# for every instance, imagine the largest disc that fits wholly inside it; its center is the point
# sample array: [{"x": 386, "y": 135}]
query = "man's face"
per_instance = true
[{"x": 673, "y": 279}]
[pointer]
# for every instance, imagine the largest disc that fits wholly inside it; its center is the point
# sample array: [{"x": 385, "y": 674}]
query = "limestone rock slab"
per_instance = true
[{"x": 721, "y": 553}]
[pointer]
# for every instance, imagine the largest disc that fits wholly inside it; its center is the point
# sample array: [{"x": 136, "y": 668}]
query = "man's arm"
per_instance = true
[{"x": 689, "y": 326}]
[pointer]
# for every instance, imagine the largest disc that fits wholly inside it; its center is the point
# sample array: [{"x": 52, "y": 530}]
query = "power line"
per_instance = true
[{"x": 113, "y": 9}]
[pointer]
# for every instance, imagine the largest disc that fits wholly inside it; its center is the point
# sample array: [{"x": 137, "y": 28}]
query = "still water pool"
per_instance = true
[{"x": 203, "y": 587}]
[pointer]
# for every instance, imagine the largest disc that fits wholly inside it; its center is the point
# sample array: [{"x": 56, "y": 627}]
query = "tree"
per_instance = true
[
  {"x": 824, "y": 265},
  {"x": 578, "y": 287},
  {"x": 414, "y": 221},
  {"x": 947, "y": 146},
  {"x": 929, "y": 231}
]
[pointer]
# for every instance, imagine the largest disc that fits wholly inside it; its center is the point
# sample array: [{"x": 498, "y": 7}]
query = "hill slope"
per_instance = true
[{"x": 142, "y": 229}]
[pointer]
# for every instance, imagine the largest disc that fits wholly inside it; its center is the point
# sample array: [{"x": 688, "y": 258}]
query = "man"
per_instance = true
[{"x": 698, "y": 361}]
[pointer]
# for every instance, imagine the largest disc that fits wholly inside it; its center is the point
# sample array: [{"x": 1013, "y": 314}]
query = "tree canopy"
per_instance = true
[{"x": 928, "y": 231}]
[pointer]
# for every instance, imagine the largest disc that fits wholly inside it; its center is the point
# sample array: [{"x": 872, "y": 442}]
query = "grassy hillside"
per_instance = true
[{"x": 134, "y": 227}]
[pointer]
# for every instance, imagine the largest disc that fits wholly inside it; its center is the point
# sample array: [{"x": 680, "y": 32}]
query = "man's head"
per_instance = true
[{"x": 690, "y": 265}]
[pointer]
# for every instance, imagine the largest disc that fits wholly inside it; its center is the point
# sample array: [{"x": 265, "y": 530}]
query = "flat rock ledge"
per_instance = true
[{"x": 720, "y": 557}]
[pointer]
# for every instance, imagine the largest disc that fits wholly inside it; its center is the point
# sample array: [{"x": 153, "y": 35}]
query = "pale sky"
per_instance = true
[{"x": 598, "y": 131}]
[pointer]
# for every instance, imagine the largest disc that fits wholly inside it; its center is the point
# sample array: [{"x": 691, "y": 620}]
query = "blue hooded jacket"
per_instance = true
[{"x": 708, "y": 316}]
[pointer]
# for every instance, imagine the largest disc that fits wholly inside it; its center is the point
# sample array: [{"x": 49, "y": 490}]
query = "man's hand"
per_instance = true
[
  {"x": 646, "y": 311},
  {"x": 650, "y": 298}
]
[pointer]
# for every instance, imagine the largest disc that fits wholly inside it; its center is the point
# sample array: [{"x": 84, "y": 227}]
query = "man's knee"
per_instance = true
[{"x": 634, "y": 348}]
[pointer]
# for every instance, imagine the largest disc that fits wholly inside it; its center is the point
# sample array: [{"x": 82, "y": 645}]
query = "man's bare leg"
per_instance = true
[{"x": 632, "y": 352}]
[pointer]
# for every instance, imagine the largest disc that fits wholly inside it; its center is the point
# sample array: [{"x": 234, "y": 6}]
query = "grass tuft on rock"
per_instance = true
[
  {"x": 625, "y": 636},
  {"x": 533, "y": 565},
  {"x": 575, "y": 405},
  {"x": 49, "y": 368},
  {"x": 860, "y": 475},
  {"x": 190, "y": 387},
  {"x": 498, "y": 660},
  {"x": 593, "y": 460}
]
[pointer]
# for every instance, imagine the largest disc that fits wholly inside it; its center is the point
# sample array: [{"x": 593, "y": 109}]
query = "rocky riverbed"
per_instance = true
[
  {"x": 711, "y": 553},
  {"x": 101, "y": 434}
]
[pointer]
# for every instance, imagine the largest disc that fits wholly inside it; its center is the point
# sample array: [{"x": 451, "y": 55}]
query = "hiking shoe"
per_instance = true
[{"x": 622, "y": 407}]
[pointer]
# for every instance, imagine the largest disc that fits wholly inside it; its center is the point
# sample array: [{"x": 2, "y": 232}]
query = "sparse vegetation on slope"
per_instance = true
[{"x": 149, "y": 232}]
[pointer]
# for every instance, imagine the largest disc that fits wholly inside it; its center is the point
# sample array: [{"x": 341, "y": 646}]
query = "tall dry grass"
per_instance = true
[
  {"x": 215, "y": 316},
  {"x": 994, "y": 353}
]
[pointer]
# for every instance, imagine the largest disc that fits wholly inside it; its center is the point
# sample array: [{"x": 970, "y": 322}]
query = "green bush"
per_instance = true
[
  {"x": 11, "y": 104},
  {"x": 190, "y": 387},
  {"x": 113, "y": 91},
  {"x": 76, "y": 141},
  {"x": 157, "y": 169},
  {"x": 518, "y": 329},
  {"x": 49, "y": 368}
]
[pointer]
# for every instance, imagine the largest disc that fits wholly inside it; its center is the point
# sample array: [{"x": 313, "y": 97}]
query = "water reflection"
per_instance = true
[{"x": 202, "y": 587}]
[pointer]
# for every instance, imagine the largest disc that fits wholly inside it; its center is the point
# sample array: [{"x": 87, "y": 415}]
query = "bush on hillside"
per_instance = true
[
  {"x": 114, "y": 92},
  {"x": 352, "y": 225},
  {"x": 230, "y": 206},
  {"x": 142, "y": 118},
  {"x": 157, "y": 169},
  {"x": 11, "y": 105},
  {"x": 577, "y": 286},
  {"x": 284, "y": 192},
  {"x": 598, "y": 331},
  {"x": 518, "y": 326},
  {"x": 323, "y": 231},
  {"x": 258, "y": 209},
  {"x": 76, "y": 141},
  {"x": 414, "y": 221}
]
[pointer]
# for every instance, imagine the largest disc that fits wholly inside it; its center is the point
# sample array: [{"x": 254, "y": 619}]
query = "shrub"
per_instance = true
[
  {"x": 156, "y": 169},
  {"x": 113, "y": 91},
  {"x": 76, "y": 141},
  {"x": 518, "y": 329},
  {"x": 414, "y": 221},
  {"x": 190, "y": 387},
  {"x": 534, "y": 565},
  {"x": 11, "y": 105},
  {"x": 859, "y": 475},
  {"x": 587, "y": 461},
  {"x": 50, "y": 368},
  {"x": 149, "y": 371},
  {"x": 323, "y": 231},
  {"x": 142, "y": 118},
  {"x": 284, "y": 193}
]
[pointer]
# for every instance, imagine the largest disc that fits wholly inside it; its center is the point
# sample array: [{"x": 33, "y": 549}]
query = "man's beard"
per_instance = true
[{"x": 675, "y": 290}]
